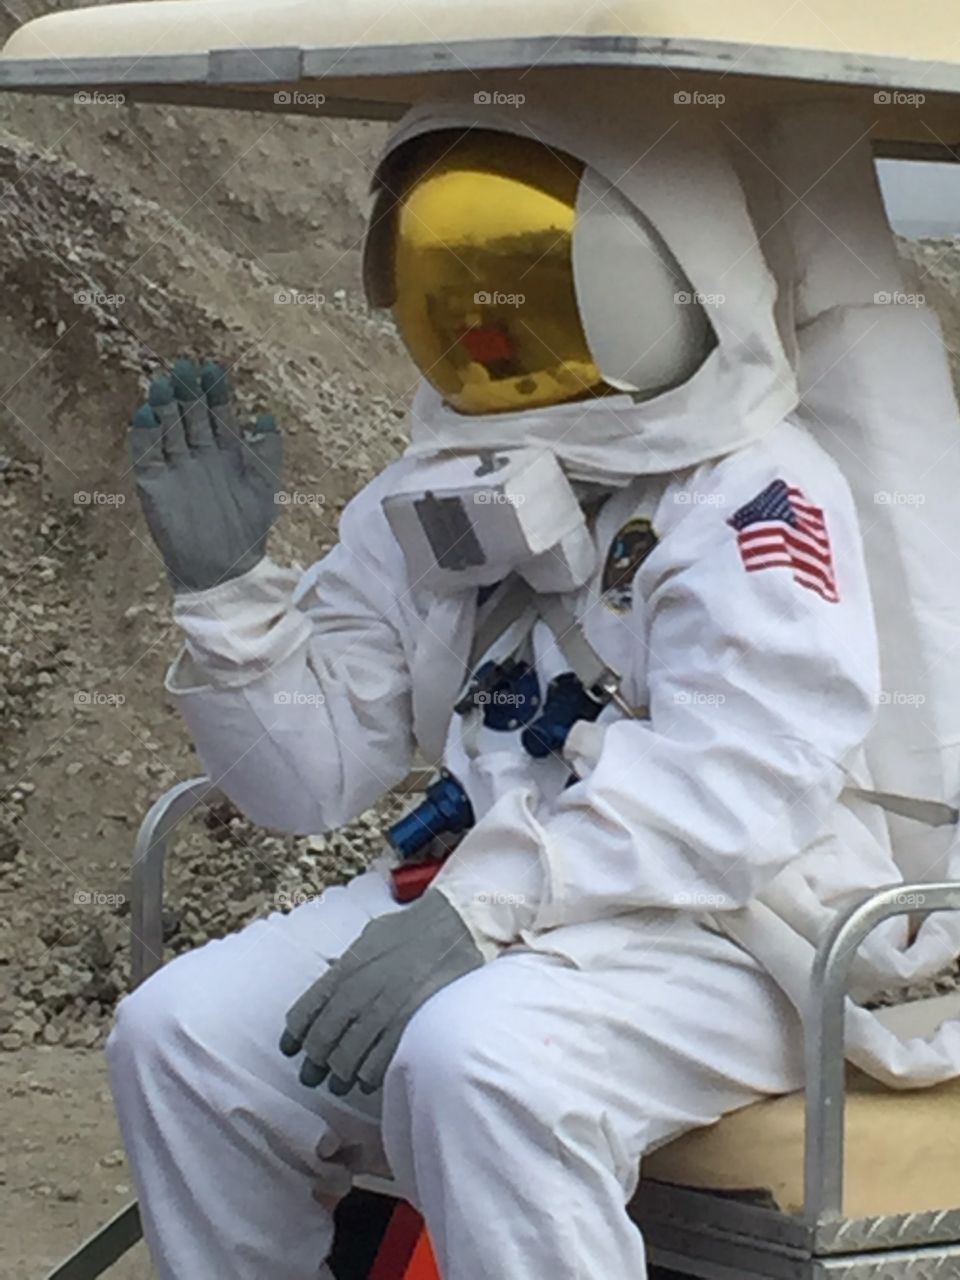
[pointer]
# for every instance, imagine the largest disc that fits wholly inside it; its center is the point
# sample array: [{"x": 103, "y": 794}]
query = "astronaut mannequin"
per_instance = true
[{"x": 607, "y": 415}]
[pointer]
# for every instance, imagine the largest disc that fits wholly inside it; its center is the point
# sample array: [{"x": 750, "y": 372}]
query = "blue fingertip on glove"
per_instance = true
[
  {"x": 215, "y": 383},
  {"x": 145, "y": 418},
  {"x": 186, "y": 379},
  {"x": 161, "y": 391}
]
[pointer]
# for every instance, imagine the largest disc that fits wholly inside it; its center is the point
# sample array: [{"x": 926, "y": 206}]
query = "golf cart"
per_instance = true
[{"x": 850, "y": 1179}]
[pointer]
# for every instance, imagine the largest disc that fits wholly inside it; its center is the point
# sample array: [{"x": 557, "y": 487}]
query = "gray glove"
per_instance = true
[
  {"x": 207, "y": 489},
  {"x": 350, "y": 1021}
]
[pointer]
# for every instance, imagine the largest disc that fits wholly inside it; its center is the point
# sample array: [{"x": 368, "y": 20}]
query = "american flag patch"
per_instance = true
[{"x": 781, "y": 528}]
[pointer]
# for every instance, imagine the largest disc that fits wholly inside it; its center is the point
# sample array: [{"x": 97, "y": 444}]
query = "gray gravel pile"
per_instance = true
[
  {"x": 127, "y": 239},
  {"x": 222, "y": 873},
  {"x": 80, "y": 762}
]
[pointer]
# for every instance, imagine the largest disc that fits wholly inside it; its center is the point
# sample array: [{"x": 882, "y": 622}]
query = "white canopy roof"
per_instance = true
[{"x": 371, "y": 58}]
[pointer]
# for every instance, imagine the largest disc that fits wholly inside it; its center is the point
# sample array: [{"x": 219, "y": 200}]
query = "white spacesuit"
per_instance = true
[{"x": 620, "y": 1000}]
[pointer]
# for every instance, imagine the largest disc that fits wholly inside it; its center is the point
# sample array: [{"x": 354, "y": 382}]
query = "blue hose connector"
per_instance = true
[{"x": 445, "y": 810}]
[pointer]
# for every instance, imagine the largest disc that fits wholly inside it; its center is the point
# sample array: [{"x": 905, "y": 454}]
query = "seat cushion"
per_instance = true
[{"x": 902, "y": 1156}]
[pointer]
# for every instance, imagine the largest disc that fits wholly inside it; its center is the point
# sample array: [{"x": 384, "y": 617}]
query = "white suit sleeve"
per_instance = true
[
  {"x": 295, "y": 687},
  {"x": 760, "y": 689}
]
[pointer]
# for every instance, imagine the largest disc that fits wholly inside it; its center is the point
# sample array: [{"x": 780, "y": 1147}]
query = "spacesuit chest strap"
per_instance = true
[
  {"x": 515, "y": 608},
  {"x": 932, "y": 813},
  {"x": 510, "y": 605}
]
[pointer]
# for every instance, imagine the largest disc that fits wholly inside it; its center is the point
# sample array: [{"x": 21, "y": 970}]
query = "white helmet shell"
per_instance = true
[{"x": 641, "y": 316}]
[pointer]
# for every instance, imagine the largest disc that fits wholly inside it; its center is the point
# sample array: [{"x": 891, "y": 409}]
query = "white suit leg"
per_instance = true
[
  {"x": 515, "y": 1112},
  {"x": 523, "y": 1097},
  {"x": 220, "y": 1133}
]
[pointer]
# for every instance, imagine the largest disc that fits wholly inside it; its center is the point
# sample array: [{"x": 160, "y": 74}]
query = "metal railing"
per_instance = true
[
  {"x": 146, "y": 876},
  {"x": 826, "y": 1028}
]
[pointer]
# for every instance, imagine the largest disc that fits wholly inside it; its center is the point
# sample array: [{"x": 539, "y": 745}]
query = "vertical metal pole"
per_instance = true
[
  {"x": 114, "y": 1238},
  {"x": 146, "y": 880}
]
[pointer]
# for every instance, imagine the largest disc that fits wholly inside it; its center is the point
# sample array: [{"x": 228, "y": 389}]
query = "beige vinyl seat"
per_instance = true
[
  {"x": 902, "y": 1152},
  {"x": 770, "y": 1194}
]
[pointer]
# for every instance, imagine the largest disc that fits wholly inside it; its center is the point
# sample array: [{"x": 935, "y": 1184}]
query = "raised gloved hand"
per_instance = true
[
  {"x": 350, "y": 1021},
  {"x": 207, "y": 488}
]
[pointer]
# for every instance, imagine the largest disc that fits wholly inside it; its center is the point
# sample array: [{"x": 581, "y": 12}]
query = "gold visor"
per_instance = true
[{"x": 482, "y": 287}]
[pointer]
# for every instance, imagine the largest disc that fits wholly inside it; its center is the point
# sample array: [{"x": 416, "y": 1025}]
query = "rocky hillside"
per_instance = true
[{"x": 129, "y": 236}]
